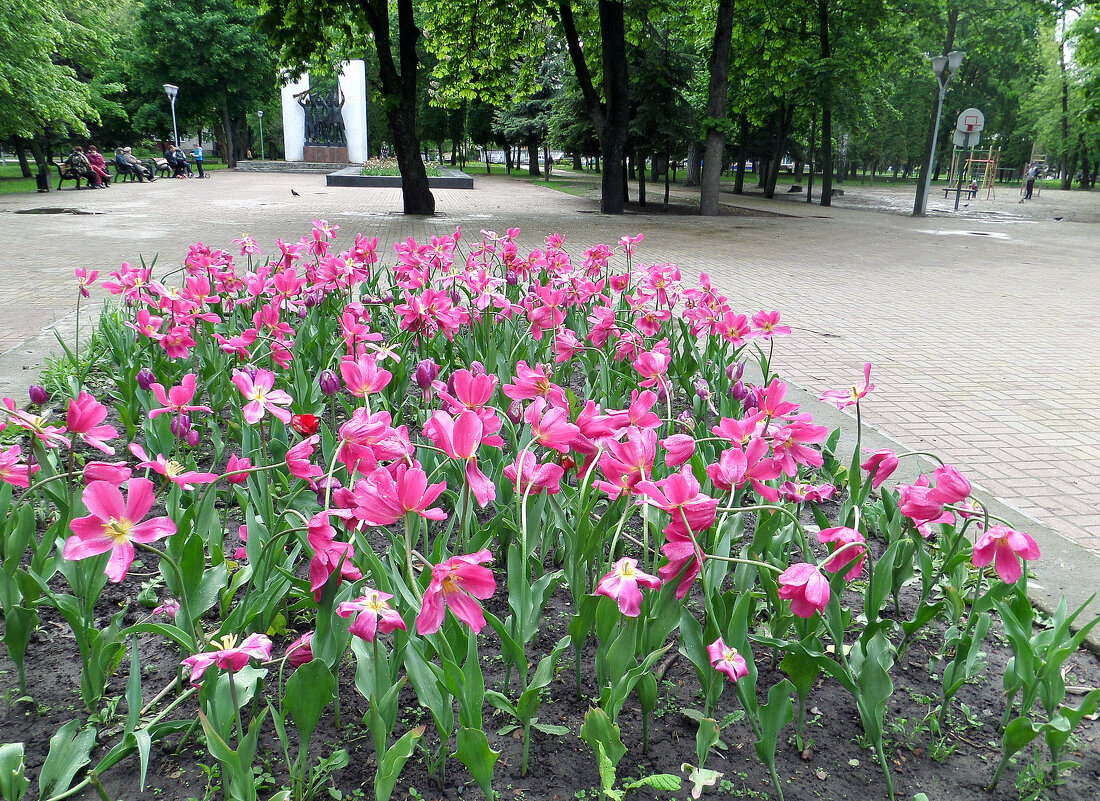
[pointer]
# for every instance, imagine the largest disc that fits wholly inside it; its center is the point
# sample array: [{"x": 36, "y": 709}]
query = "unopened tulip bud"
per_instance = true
[
  {"x": 193, "y": 437},
  {"x": 38, "y": 394},
  {"x": 300, "y": 651},
  {"x": 515, "y": 412},
  {"x": 324, "y": 485},
  {"x": 181, "y": 424},
  {"x": 145, "y": 378},
  {"x": 735, "y": 371},
  {"x": 702, "y": 388},
  {"x": 738, "y": 391},
  {"x": 251, "y": 371},
  {"x": 477, "y": 369},
  {"x": 511, "y": 277},
  {"x": 426, "y": 372},
  {"x": 329, "y": 382}
]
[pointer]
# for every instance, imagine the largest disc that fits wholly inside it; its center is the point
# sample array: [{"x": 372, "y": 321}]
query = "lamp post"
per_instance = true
[
  {"x": 172, "y": 91},
  {"x": 260, "y": 114},
  {"x": 944, "y": 68}
]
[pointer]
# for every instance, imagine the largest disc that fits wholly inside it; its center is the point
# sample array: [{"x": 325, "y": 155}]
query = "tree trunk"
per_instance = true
[
  {"x": 625, "y": 183},
  {"x": 507, "y": 159},
  {"x": 38, "y": 153},
  {"x": 227, "y": 143},
  {"x": 810, "y": 154},
  {"x": 617, "y": 92},
  {"x": 577, "y": 166},
  {"x": 742, "y": 154},
  {"x": 21, "y": 154},
  {"x": 641, "y": 178},
  {"x": 400, "y": 92},
  {"x": 694, "y": 164},
  {"x": 786, "y": 117},
  {"x": 717, "y": 96},
  {"x": 667, "y": 171},
  {"x": 533, "y": 158},
  {"x": 1067, "y": 175},
  {"x": 930, "y": 137},
  {"x": 826, "y": 108}
]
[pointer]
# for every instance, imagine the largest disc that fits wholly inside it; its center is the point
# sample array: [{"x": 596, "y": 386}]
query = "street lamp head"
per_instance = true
[
  {"x": 260, "y": 114},
  {"x": 955, "y": 59},
  {"x": 172, "y": 91},
  {"x": 938, "y": 64}
]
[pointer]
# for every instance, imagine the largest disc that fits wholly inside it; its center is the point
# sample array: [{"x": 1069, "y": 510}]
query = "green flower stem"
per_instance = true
[
  {"x": 408, "y": 559},
  {"x": 236, "y": 709},
  {"x": 185, "y": 605}
]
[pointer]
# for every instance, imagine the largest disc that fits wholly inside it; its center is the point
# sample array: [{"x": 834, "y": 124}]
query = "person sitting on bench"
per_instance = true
[
  {"x": 141, "y": 168},
  {"x": 99, "y": 166},
  {"x": 177, "y": 161},
  {"x": 81, "y": 167}
]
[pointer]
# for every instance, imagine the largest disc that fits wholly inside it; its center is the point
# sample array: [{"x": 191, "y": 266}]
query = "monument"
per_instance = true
[{"x": 329, "y": 127}]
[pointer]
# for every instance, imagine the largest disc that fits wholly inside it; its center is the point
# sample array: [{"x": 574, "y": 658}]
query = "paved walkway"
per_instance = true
[{"x": 983, "y": 328}]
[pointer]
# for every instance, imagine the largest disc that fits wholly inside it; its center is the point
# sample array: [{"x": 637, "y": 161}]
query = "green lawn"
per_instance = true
[{"x": 12, "y": 181}]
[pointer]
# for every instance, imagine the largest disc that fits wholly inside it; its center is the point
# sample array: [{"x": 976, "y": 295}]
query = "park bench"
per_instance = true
[
  {"x": 125, "y": 172},
  {"x": 970, "y": 192},
  {"x": 66, "y": 173},
  {"x": 162, "y": 167}
]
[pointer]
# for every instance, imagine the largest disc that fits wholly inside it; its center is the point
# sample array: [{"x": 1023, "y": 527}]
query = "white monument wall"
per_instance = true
[
  {"x": 353, "y": 85},
  {"x": 294, "y": 120}
]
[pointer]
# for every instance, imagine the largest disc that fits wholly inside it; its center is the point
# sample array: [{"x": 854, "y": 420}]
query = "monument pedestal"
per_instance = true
[{"x": 326, "y": 155}]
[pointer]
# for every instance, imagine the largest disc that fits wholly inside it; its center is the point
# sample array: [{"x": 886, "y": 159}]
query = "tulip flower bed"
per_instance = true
[{"x": 350, "y": 522}]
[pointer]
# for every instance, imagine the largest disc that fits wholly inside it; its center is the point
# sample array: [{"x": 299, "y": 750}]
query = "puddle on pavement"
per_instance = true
[
  {"x": 55, "y": 211},
  {"x": 993, "y": 235}
]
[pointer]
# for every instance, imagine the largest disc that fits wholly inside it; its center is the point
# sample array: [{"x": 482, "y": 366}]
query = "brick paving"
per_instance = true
[{"x": 983, "y": 328}]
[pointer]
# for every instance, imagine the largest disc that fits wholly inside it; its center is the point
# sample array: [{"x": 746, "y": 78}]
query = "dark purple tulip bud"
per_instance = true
[
  {"x": 515, "y": 412},
  {"x": 145, "y": 378},
  {"x": 702, "y": 388},
  {"x": 426, "y": 372},
  {"x": 181, "y": 425},
  {"x": 477, "y": 369},
  {"x": 511, "y": 277},
  {"x": 662, "y": 390},
  {"x": 387, "y": 298},
  {"x": 193, "y": 437},
  {"x": 329, "y": 382},
  {"x": 252, "y": 371},
  {"x": 303, "y": 311},
  {"x": 455, "y": 297},
  {"x": 735, "y": 371},
  {"x": 324, "y": 484},
  {"x": 451, "y": 384},
  {"x": 738, "y": 391},
  {"x": 38, "y": 394}
]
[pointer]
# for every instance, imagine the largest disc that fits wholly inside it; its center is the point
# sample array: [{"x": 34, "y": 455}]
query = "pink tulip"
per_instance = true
[
  {"x": 373, "y": 615},
  {"x": 880, "y": 465},
  {"x": 230, "y": 656},
  {"x": 685, "y": 559},
  {"x": 626, "y": 464},
  {"x": 329, "y": 554},
  {"x": 114, "y": 472},
  {"x": 171, "y": 469},
  {"x": 299, "y": 459},
  {"x": 841, "y": 536},
  {"x": 235, "y": 465},
  {"x": 456, "y": 583},
  {"x": 460, "y": 439},
  {"x": 525, "y": 472},
  {"x": 767, "y": 325},
  {"x": 679, "y": 449},
  {"x": 843, "y": 398},
  {"x": 679, "y": 495},
  {"x": 803, "y": 585},
  {"x": 1002, "y": 545},
  {"x": 529, "y": 383},
  {"x": 363, "y": 376},
  {"x": 725, "y": 659},
  {"x": 177, "y": 399},
  {"x": 84, "y": 417},
  {"x": 14, "y": 472},
  {"x": 621, "y": 585},
  {"x": 383, "y": 498},
  {"x": 550, "y": 426},
  {"x": 261, "y": 396},
  {"x": 951, "y": 486},
  {"x": 736, "y": 468},
  {"x": 114, "y": 526},
  {"x": 300, "y": 651}
]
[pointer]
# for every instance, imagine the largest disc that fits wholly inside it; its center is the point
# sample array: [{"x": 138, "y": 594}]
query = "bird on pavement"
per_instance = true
[{"x": 294, "y": 193}]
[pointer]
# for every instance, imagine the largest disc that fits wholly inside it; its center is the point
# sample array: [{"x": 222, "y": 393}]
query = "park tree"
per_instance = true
[
  {"x": 223, "y": 66},
  {"x": 49, "y": 89}
]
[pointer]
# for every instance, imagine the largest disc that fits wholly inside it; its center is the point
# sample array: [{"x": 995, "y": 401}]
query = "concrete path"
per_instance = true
[{"x": 983, "y": 328}]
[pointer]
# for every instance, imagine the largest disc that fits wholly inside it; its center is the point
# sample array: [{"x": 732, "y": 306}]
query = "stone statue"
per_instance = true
[{"x": 324, "y": 120}]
